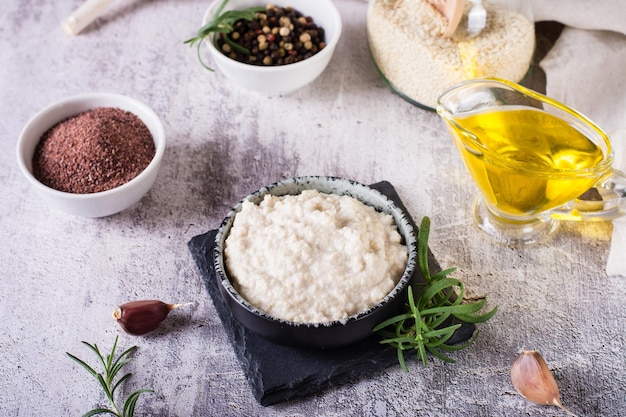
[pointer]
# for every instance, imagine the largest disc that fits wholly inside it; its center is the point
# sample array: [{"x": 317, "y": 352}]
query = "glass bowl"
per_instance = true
[{"x": 406, "y": 43}]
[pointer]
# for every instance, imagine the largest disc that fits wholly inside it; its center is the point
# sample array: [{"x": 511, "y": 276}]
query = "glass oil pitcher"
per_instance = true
[{"x": 532, "y": 159}]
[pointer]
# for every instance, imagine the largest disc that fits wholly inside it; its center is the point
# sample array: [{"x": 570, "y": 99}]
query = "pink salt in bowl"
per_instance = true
[{"x": 95, "y": 204}]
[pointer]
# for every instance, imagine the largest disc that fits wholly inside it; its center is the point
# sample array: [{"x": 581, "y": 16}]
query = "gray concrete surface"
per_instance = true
[{"x": 62, "y": 276}]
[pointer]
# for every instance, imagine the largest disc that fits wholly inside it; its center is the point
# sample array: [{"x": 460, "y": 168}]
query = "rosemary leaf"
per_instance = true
[
  {"x": 119, "y": 382},
  {"x": 389, "y": 322},
  {"x": 440, "y": 355},
  {"x": 112, "y": 367},
  {"x": 440, "y": 301},
  {"x": 83, "y": 364},
  {"x": 223, "y": 22},
  {"x": 445, "y": 333},
  {"x": 455, "y": 310},
  {"x": 438, "y": 320},
  {"x": 97, "y": 411},
  {"x": 422, "y": 248},
  {"x": 469, "y": 318},
  {"x": 436, "y": 287},
  {"x": 460, "y": 346},
  {"x": 442, "y": 274}
]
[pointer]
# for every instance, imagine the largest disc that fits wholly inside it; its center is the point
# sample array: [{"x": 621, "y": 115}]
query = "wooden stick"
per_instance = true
[{"x": 84, "y": 15}]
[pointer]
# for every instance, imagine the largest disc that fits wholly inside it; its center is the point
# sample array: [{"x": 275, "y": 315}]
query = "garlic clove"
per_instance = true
[
  {"x": 141, "y": 317},
  {"x": 532, "y": 378}
]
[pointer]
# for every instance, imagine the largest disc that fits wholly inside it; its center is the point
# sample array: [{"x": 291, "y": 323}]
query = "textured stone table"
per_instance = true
[{"x": 62, "y": 276}]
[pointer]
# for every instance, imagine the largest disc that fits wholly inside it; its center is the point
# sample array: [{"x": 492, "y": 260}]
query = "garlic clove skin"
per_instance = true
[
  {"x": 532, "y": 378},
  {"x": 141, "y": 317}
]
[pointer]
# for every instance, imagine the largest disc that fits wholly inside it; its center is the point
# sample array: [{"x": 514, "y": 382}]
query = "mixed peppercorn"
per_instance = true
[{"x": 279, "y": 36}]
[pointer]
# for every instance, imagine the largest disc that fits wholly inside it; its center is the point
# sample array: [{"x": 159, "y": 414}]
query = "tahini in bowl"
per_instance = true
[
  {"x": 97, "y": 204},
  {"x": 282, "y": 79},
  {"x": 317, "y": 335}
]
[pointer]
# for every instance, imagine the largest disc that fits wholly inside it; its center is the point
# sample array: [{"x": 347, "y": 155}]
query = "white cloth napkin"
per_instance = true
[
  {"x": 582, "y": 14},
  {"x": 586, "y": 70}
]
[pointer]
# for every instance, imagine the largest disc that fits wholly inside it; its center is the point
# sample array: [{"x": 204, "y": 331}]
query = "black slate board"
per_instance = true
[{"x": 278, "y": 373}]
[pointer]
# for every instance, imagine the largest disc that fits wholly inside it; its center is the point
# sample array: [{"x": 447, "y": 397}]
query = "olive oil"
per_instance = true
[{"x": 527, "y": 161}]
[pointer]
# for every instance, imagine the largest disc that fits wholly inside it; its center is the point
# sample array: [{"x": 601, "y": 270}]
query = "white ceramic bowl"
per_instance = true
[
  {"x": 283, "y": 79},
  {"x": 318, "y": 335},
  {"x": 102, "y": 203}
]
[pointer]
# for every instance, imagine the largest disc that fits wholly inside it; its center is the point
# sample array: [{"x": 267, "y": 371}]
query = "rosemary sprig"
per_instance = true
[
  {"x": 111, "y": 366},
  {"x": 223, "y": 22},
  {"x": 425, "y": 326}
]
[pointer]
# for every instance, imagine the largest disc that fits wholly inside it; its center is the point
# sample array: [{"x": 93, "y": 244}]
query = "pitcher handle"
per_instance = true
[{"x": 607, "y": 201}]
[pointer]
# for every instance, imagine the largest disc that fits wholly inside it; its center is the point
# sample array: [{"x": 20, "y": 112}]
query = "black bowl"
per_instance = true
[{"x": 317, "y": 335}]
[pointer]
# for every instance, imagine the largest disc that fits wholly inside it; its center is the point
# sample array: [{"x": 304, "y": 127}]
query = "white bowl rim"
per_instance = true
[
  {"x": 329, "y": 48},
  {"x": 159, "y": 143}
]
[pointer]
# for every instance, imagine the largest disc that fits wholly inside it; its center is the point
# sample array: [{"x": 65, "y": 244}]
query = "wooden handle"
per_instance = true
[
  {"x": 452, "y": 10},
  {"x": 84, "y": 15}
]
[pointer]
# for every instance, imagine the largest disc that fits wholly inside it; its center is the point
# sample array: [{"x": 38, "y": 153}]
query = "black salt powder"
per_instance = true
[{"x": 93, "y": 151}]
